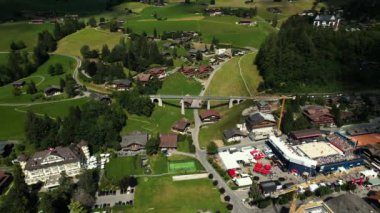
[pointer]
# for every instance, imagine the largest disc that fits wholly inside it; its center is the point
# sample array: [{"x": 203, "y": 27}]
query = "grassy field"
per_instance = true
[
  {"x": 159, "y": 164},
  {"x": 3, "y": 59},
  {"x": 178, "y": 84},
  {"x": 94, "y": 38},
  {"x": 224, "y": 30},
  {"x": 40, "y": 77},
  {"x": 21, "y": 31},
  {"x": 123, "y": 166},
  {"x": 12, "y": 125},
  {"x": 230, "y": 117},
  {"x": 161, "y": 120},
  {"x": 161, "y": 194},
  {"x": 184, "y": 145},
  {"x": 228, "y": 81}
]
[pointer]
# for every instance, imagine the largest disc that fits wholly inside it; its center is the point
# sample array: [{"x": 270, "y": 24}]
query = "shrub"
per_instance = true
[
  {"x": 263, "y": 203},
  {"x": 215, "y": 182},
  {"x": 227, "y": 198},
  {"x": 230, "y": 207},
  {"x": 222, "y": 190},
  {"x": 210, "y": 176},
  {"x": 308, "y": 193}
]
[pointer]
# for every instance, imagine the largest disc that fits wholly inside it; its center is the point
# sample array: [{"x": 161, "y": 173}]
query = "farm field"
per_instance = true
[
  {"x": 71, "y": 44},
  {"x": 230, "y": 117},
  {"x": 41, "y": 77},
  {"x": 178, "y": 84},
  {"x": 13, "y": 118},
  {"x": 164, "y": 195},
  {"x": 21, "y": 31}
]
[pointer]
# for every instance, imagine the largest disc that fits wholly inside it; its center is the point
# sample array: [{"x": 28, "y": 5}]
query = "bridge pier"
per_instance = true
[
  {"x": 208, "y": 105},
  {"x": 182, "y": 107},
  {"x": 231, "y": 103}
]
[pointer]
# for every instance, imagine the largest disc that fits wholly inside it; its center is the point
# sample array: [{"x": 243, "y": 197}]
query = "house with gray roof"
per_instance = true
[
  {"x": 322, "y": 20},
  {"x": 259, "y": 120},
  {"x": 46, "y": 166},
  {"x": 233, "y": 135},
  {"x": 133, "y": 143},
  {"x": 349, "y": 202}
]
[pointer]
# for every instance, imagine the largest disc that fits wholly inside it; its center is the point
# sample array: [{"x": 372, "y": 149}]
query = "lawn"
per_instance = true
[
  {"x": 178, "y": 84},
  {"x": 40, "y": 77},
  {"x": 123, "y": 166},
  {"x": 159, "y": 164},
  {"x": 185, "y": 143},
  {"x": 21, "y": 31},
  {"x": 3, "y": 59},
  {"x": 160, "y": 121},
  {"x": 229, "y": 81},
  {"x": 161, "y": 194},
  {"x": 12, "y": 121},
  {"x": 71, "y": 44},
  {"x": 230, "y": 117}
]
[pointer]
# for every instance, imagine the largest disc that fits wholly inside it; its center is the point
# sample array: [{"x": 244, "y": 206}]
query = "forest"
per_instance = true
[{"x": 304, "y": 58}]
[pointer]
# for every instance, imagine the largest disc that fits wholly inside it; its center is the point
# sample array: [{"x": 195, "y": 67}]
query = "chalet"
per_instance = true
[
  {"x": 100, "y": 97},
  {"x": 224, "y": 52},
  {"x": 213, "y": 11},
  {"x": 48, "y": 165},
  {"x": 326, "y": 21},
  {"x": 246, "y": 22},
  {"x": 120, "y": 84},
  {"x": 37, "y": 21},
  {"x": 305, "y": 134},
  {"x": 233, "y": 135},
  {"x": 188, "y": 71},
  {"x": 209, "y": 116},
  {"x": 181, "y": 126},
  {"x": 158, "y": 72},
  {"x": 258, "y": 120},
  {"x": 204, "y": 70},
  {"x": 143, "y": 77},
  {"x": 5, "y": 180},
  {"x": 52, "y": 91},
  {"x": 263, "y": 106},
  {"x": 18, "y": 84},
  {"x": 318, "y": 115},
  {"x": 133, "y": 143},
  {"x": 168, "y": 141}
]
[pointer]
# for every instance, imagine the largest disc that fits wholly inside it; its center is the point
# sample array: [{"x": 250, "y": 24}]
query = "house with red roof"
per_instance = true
[
  {"x": 209, "y": 116},
  {"x": 168, "y": 141}
]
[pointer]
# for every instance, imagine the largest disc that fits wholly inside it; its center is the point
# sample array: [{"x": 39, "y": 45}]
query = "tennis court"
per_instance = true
[{"x": 182, "y": 166}]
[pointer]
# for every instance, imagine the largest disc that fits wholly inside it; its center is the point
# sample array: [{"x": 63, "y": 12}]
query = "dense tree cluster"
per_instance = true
[
  {"x": 56, "y": 69},
  {"x": 134, "y": 103},
  {"x": 95, "y": 122},
  {"x": 67, "y": 27},
  {"x": 18, "y": 66},
  {"x": 240, "y": 12},
  {"x": 101, "y": 72},
  {"x": 17, "y": 45},
  {"x": 363, "y": 10},
  {"x": 302, "y": 57}
]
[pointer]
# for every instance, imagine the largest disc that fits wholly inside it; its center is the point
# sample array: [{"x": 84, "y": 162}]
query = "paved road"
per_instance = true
[{"x": 202, "y": 157}]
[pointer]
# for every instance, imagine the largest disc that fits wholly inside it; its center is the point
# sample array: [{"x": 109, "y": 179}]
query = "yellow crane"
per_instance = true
[{"x": 281, "y": 112}]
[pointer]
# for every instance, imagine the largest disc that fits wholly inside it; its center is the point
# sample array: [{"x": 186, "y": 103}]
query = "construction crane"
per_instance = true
[
  {"x": 281, "y": 112},
  {"x": 293, "y": 204}
]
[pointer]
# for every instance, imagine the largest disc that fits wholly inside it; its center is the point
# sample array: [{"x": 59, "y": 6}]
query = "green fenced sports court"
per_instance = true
[{"x": 182, "y": 166}]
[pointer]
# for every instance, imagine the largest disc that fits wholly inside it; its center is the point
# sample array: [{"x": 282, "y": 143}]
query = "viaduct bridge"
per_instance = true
[{"x": 197, "y": 100}]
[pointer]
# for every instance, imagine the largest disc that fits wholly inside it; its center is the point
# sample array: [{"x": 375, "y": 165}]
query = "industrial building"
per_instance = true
[{"x": 313, "y": 157}]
